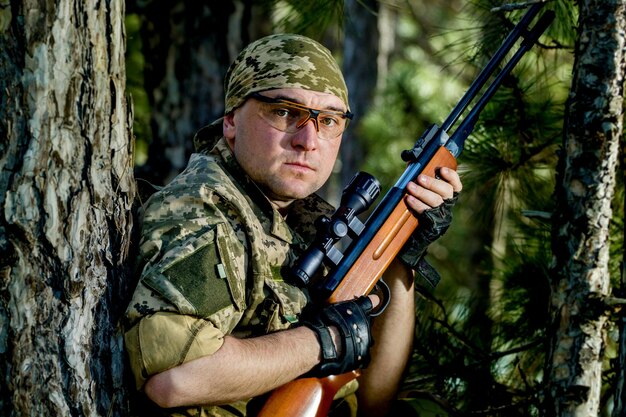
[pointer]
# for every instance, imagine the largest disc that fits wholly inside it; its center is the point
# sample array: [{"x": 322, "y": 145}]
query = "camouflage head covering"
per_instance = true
[{"x": 283, "y": 61}]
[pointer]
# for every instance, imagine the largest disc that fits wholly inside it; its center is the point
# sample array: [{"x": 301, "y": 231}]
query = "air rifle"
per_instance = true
[{"x": 377, "y": 241}]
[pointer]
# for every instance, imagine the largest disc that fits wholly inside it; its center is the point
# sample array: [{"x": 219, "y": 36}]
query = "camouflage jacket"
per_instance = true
[{"x": 211, "y": 257}]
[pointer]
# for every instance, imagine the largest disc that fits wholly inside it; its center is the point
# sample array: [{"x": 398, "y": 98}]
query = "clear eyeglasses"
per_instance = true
[{"x": 290, "y": 117}]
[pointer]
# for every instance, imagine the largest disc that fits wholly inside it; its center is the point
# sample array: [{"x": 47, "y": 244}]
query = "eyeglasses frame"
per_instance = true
[{"x": 313, "y": 112}]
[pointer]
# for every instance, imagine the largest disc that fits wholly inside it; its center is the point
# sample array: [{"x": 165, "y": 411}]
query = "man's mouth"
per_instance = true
[{"x": 302, "y": 165}]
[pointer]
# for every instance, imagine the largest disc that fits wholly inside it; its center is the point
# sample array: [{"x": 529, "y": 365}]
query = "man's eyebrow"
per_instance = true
[{"x": 297, "y": 101}]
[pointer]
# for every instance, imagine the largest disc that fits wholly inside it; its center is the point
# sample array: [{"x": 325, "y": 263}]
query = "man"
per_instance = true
[{"x": 213, "y": 323}]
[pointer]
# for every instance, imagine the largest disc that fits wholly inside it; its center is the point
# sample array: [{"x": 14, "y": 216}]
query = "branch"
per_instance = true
[
  {"x": 440, "y": 401},
  {"x": 516, "y": 6},
  {"x": 518, "y": 349},
  {"x": 615, "y": 301},
  {"x": 537, "y": 214}
]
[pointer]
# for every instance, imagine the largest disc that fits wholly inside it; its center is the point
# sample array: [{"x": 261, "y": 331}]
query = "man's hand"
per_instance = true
[
  {"x": 431, "y": 200},
  {"x": 431, "y": 192}
]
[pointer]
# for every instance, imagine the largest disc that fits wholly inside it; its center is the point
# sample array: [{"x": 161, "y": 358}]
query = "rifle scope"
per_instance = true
[{"x": 357, "y": 197}]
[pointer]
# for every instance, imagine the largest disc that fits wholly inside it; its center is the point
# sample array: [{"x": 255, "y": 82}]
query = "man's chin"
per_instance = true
[{"x": 290, "y": 193}]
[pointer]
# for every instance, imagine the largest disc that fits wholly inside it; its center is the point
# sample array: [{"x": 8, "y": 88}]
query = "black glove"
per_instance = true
[
  {"x": 433, "y": 223},
  {"x": 352, "y": 318}
]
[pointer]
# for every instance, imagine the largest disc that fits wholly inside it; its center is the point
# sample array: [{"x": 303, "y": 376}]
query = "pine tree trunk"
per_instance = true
[
  {"x": 619, "y": 398},
  {"x": 66, "y": 190},
  {"x": 360, "y": 68},
  {"x": 585, "y": 187}
]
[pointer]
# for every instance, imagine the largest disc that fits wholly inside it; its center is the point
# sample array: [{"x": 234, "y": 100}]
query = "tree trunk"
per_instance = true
[
  {"x": 585, "y": 187},
  {"x": 360, "y": 68},
  {"x": 66, "y": 191},
  {"x": 619, "y": 399}
]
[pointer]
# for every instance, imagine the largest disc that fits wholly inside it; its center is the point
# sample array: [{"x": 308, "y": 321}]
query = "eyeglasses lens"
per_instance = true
[{"x": 291, "y": 118}]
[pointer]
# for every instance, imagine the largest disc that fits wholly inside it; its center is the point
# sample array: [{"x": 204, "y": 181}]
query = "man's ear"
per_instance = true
[{"x": 228, "y": 126}]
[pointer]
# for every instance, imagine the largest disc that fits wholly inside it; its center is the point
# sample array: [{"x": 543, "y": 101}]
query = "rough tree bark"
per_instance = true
[
  {"x": 66, "y": 190},
  {"x": 585, "y": 187}
]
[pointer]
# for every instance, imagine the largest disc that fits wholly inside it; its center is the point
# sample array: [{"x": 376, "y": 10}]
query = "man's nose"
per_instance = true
[{"x": 306, "y": 137}]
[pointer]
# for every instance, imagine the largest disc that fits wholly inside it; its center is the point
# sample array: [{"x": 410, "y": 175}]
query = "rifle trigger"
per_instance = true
[{"x": 381, "y": 289}]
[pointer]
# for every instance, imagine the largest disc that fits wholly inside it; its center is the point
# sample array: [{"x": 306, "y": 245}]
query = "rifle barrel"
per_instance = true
[{"x": 519, "y": 30}]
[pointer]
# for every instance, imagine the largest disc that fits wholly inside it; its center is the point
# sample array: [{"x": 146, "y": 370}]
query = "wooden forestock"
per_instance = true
[
  {"x": 312, "y": 397},
  {"x": 387, "y": 242}
]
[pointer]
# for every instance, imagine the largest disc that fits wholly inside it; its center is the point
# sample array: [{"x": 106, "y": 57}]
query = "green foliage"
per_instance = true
[
  {"x": 135, "y": 62},
  {"x": 510, "y": 157},
  {"x": 490, "y": 340},
  {"x": 417, "y": 93},
  {"x": 309, "y": 18}
]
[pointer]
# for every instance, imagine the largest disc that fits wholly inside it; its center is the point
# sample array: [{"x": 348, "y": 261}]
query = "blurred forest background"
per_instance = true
[
  {"x": 98, "y": 106},
  {"x": 482, "y": 337}
]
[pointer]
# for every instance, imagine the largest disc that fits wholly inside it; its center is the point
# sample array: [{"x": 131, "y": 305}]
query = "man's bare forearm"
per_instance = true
[
  {"x": 240, "y": 369},
  {"x": 393, "y": 340}
]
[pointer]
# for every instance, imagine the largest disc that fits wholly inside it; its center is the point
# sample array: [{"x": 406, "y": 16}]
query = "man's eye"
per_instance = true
[
  {"x": 287, "y": 112},
  {"x": 281, "y": 112},
  {"x": 328, "y": 120}
]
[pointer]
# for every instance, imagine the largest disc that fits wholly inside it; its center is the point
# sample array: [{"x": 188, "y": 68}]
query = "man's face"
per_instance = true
[{"x": 287, "y": 166}]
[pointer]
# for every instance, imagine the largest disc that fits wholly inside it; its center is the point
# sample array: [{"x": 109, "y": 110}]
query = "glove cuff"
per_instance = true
[
  {"x": 352, "y": 319},
  {"x": 433, "y": 223}
]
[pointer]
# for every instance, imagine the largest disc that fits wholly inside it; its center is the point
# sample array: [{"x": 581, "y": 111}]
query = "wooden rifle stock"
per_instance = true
[
  {"x": 305, "y": 397},
  {"x": 392, "y": 223}
]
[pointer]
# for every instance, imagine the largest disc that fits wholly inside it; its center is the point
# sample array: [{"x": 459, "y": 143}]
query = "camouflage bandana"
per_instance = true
[{"x": 283, "y": 61}]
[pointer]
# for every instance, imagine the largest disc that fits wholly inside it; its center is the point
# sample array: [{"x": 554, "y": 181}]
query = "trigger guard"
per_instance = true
[{"x": 381, "y": 289}]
